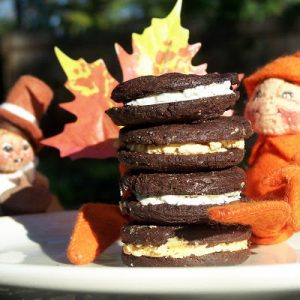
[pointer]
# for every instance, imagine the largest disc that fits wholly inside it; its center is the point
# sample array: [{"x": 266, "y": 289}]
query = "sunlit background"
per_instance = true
[{"x": 237, "y": 35}]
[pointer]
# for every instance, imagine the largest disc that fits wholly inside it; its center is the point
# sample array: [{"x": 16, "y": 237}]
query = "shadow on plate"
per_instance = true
[{"x": 50, "y": 232}]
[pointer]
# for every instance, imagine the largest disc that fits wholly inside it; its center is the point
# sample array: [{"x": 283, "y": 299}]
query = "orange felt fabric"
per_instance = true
[
  {"x": 269, "y": 220},
  {"x": 96, "y": 228},
  {"x": 285, "y": 67},
  {"x": 290, "y": 177},
  {"x": 270, "y": 153},
  {"x": 280, "y": 237}
]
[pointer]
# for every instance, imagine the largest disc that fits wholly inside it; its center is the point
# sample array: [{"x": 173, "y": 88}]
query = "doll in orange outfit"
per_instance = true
[
  {"x": 274, "y": 110},
  {"x": 273, "y": 177}
]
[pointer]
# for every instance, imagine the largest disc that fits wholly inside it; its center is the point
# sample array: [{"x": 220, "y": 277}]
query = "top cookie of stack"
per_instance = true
[{"x": 173, "y": 97}]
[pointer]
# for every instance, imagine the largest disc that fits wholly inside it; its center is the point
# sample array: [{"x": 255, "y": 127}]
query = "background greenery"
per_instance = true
[
  {"x": 231, "y": 32},
  {"x": 74, "y": 17}
]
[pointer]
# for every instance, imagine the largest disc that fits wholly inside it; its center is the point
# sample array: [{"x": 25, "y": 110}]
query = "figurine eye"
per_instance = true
[
  {"x": 7, "y": 147},
  {"x": 25, "y": 146},
  {"x": 287, "y": 95},
  {"x": 258, "y": 94}
]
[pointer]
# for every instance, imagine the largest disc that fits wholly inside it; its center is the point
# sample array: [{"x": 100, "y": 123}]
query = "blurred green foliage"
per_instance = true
[
  {"x": 85, "y": 180},
  {"x": 73, "y": 17}
]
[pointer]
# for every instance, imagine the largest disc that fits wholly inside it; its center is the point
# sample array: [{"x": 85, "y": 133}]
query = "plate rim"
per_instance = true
[{"x": 211, "y": 279}]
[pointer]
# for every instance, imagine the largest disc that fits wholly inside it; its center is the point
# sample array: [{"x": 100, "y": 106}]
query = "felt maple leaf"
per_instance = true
[
  {"x": 93, "y": 133},
  {"x": 162, "y": 47}
]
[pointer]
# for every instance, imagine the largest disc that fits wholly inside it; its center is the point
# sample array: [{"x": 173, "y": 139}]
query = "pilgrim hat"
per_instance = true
[{"x": 25, "y": 105}]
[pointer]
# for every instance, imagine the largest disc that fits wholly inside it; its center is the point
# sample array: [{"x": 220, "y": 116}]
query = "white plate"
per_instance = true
[{"x": 32, "y": 254}]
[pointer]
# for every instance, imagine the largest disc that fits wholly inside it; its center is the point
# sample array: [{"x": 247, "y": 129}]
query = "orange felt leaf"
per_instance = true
[
  {"x": 96, "y": 228},
  {"x": 162, "y": 47},
  {"x": 93, "y": 134},
  {"x": 266, "y": 218}
]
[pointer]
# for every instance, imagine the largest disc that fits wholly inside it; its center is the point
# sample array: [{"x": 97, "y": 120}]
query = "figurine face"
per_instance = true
[
  {"x": 274, "y": 107},
  {"x": 15, "y": 151}
]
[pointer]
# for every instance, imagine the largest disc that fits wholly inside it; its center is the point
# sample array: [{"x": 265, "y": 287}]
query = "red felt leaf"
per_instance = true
[{"x": 93, "y": 134}]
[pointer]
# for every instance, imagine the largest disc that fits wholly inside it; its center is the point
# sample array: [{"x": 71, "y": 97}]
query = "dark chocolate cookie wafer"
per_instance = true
[
  {"x": 164, "y": 214},
  {"x": 221, "y": 129},
  {"x": 213, "y": 144},
  {"x": 173, "y": 97},
  {"x": 198, "y": 183},
  {"x": 145, "y": 86},
  {"x": 182, "y": 111},
  {"x": 161, "y": 198},
  {"x": 181, "y": 163},
  {"x": 186, "y": 245}
]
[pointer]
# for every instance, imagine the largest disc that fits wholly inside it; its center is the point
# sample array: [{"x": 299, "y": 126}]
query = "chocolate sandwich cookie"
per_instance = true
[
  {"x": 173, "y": 97},
  {"x": 186, "y": 245},
  {"x": 164, "y": 198},
  {"x": 213, "y": 144}
]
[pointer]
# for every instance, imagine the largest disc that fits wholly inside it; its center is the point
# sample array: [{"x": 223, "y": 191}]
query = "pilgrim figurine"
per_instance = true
[{"x": 23, "y": 190}]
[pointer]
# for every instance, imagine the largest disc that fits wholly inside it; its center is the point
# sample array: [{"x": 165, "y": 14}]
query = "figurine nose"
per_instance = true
[{"x": 18, "y": 160}]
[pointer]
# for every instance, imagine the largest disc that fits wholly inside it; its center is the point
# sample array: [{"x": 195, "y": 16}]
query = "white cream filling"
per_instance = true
[
  {"x": 198, "y": 92},
  {"x": 190, "y": 199},
  {"x": 189, "y": 148},
  {"x": 178, "y": 248}
]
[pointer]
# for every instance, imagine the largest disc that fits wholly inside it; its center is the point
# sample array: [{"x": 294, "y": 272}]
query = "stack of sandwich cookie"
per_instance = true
[{"x": 182, "y": 156}]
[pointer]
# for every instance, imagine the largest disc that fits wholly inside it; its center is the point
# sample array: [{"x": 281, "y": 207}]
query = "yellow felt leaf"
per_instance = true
[
  {"x": 76, "y": 71},
  {"x": 163, "y": 47}
]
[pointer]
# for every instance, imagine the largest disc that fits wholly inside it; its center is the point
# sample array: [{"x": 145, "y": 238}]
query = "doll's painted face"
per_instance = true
[
  {"x": 15, "y": 151},
  {"x": 274, "y": 107}
]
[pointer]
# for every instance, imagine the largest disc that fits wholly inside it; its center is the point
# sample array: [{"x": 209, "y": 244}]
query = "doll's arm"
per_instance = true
[
  {"x": 26, "y": 199},
  {"x": 12, "y": 187},
  {"x": 41, "y": 180},
  {"x": 268, "y": 219},
  {"x": 288, "y": 176}
]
